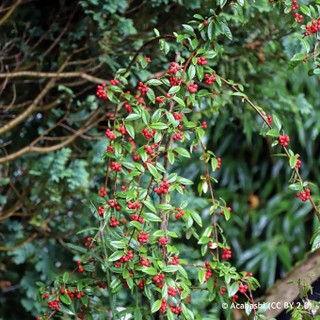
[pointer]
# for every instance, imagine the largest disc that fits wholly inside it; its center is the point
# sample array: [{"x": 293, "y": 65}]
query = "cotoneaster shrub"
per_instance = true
[{"x": 133, "y": 246}]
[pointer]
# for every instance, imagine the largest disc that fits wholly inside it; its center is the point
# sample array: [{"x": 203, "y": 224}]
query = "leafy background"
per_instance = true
[{"x": 269, "y": 230}]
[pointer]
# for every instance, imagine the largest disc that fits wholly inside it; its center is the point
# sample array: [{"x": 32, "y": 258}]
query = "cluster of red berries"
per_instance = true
[
  {"x": 304, "y": 196},
  {"x": 141, "y": 284},
  {"x": 172, "y": 292},
  {"x": 125, "y": 258},
  {"x": 269, "y": 119},
  {"x": 101, "y": 210},
  {"x": 88, "y": 242},
  {"x": 102, "y": 92},
  {"x": 202, "y": 61},
  {"x": 163, "y": 187},
  {"x": 133, "y": 206},
  {"x": 219, "y": 164},
  {"x": 163, "y": 241},
  {"x": 178, "y": 116},
  {"x": 110, "y": 135},
  {"x": 175, "y": 81},
  {"x": 226, "y": 253},
  {"x": 122, "y": 129},
  {"x": 209, "y": 79},
  {"x": 283, "y": 140},
  {"x": 175, "y": 260},
  {"x": 163, "y": 305},
  {"x": 298, "y": 164},
  {"x": 144, "y": 262},
  {"x": 54, "y": 304},
  {"x": 192, "y": 87},
  {"x": 177, "y": 136},
  {"x": 114, "y": 222},
  {"x": 235, "y": 297},
  {"x": 159, "y": 99},
  {"x": 114, "y": 82},
  {"x": 143, "y": 237},
  {"x": 134, "y": 217},
  {"x": 143, "y": 88},
  {"x": 204, "y": 124},
  {"x": 127, "y": 106},
  {"x": 208, "y": 273},
  {"x": 110, "y": 149},
  {"x": 101, "y": 285},
  {"x": 179, "y": 214},
  {"x": 158, "y": 278},
  {"x": 116, "y": 167},
  {"x": 176, "y": 310},
  {"x": 150, "y": 150},
  {"x": 222, "y": 291},
  {"x": 243, "y": 288},
  {"x": 113, "y": 204},
  {"x": 103, "y": 192},
  {"x": 313, "y": 28},
  {"x": 148, "y": 134},
  {"x": 80, "y": 270},
  {"x": 173, "y": 68}
]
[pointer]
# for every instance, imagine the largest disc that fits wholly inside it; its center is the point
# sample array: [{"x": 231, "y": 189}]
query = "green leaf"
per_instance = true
[
  {"x": 211, "y": 55},
  {"x": 174, "y": 89},
  {"x": 293, "y": 161},
  {"x": 226, "y": 213},
  {"x": 226, "y": 30},
  {"x": 183, "y": 271},
  {"x": 184, "y": 181},
  {"x": 210, "y": 31},
  {"x": 276, "y": 121},
  {"x": 118, "y": 244},
  {"x": 116, "y": 256},
  {"x": 240, "y": 94},
  {"x": 151, "y": 217},
  {"x": 196, "y": 217},
  {"x": 164, "y": 206},
  {"x": 201, "y": 276},
  {"x": 65, "y": 277},
  {"x": 149, "y": 205},
  {"x": 187, "y": 312},
  {"x": 298, "y": 56},
  {"x": 188, "y": 28},
  {"x": 170, "y": 268},
  {"x": 158, "y": 126},
  {"x": 233, "y": 289},
  {"x": 65, "y": 299},
  {"x": 156, "y": 306},
  {"x": 151, "y": 96},
  {"x": 305, "y": 10},
  {"x": 154, "y": 171},
  {"x": 191, "y": 72},
  {"x": 179, "y": 101},
  {"x": 199, "y": 69},
  {"x": 130, "y": 130},
  {"x": 170, "y": 157},
  {"x": 132, "y": 116},
  {"x": 154, "y": 82},
  {"x": 182, "y": 152},
  {"x": 273, "y": 133},
  {"x": 295, "y": 187}
]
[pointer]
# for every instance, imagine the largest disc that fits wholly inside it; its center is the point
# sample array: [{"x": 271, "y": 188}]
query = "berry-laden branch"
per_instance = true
[
  {"x": 306, "y": 195},
  {"x": 139, "y": 221}
]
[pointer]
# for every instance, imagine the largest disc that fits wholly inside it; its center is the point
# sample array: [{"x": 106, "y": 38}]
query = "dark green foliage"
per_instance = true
[{"x": 269, "y": 230}]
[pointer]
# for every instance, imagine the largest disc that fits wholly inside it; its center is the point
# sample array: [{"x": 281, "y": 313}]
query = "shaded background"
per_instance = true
[{"x": 55, "y": 150}]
